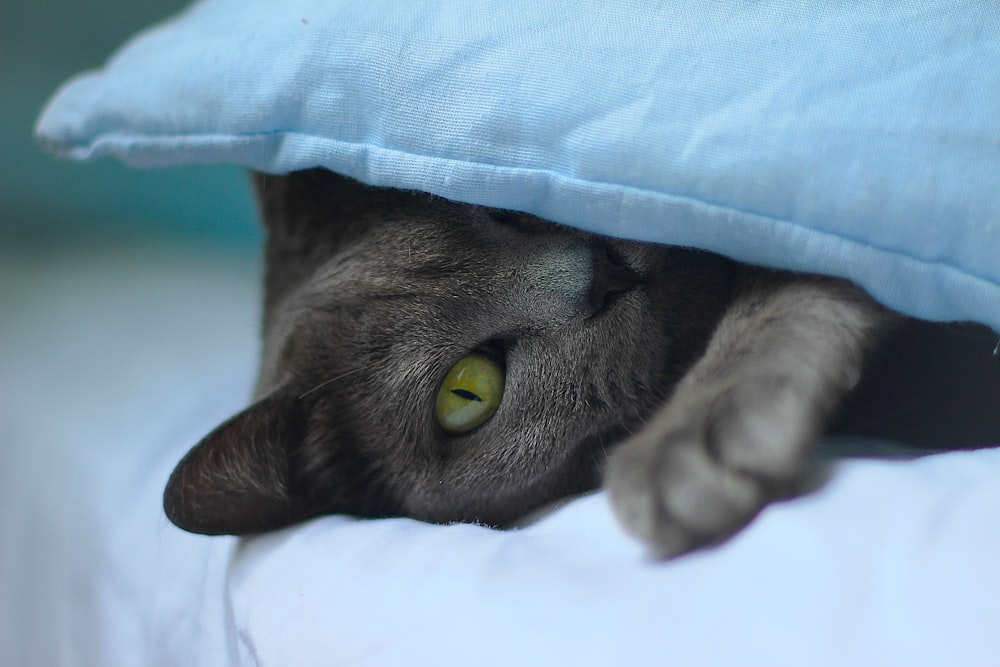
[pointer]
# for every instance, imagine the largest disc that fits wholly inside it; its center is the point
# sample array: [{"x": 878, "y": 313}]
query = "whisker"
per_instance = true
[{"x": 331, "y": 380}]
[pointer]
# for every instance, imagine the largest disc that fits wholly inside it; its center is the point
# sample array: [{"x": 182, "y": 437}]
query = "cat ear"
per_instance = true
[
  {"x": 236, "y": 479},
  {"x": 257, "y": 472}
]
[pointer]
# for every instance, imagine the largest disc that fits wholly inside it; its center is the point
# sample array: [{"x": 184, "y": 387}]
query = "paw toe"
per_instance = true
[{"x": 675, "y": 497}]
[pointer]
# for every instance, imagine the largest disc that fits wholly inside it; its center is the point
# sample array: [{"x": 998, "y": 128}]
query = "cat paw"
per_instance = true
[{"x": 695, "y": 477}]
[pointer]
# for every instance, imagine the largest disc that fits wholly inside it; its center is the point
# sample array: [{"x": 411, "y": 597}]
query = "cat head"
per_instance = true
[{"x": 440, "y": 360}]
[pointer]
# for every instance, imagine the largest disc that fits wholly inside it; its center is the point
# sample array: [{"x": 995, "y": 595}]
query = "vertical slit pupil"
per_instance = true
[{"x": 466, "y": 394}]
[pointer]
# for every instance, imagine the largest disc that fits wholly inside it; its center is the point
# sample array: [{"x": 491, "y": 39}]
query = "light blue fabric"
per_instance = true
[{"x": 855, "y": 138}]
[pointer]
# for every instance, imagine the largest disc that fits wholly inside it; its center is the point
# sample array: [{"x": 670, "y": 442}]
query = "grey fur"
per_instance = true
[{"x": 708, "y": 379}]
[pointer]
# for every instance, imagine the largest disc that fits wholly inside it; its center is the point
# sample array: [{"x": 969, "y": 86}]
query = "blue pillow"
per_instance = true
[{"x": 856, "y": 138}]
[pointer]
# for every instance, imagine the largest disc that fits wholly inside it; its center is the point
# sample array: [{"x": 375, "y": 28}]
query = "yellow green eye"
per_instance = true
[{"x": 470, "y": 393}]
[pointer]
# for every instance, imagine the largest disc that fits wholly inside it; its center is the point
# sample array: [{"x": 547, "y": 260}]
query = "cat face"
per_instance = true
[{"x": 376, "y": 298}]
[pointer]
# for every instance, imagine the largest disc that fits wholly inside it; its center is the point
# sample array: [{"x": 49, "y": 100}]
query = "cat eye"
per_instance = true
[{"x": 470, "y": 393}]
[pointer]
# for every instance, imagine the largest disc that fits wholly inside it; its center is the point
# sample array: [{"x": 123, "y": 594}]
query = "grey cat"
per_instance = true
[{"x": 451, "y": 362}]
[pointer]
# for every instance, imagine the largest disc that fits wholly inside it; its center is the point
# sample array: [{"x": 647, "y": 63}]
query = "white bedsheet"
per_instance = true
[{"x": 111, "y": 367}]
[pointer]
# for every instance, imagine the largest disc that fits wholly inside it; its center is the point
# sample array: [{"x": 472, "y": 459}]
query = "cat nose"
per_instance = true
[{"x": 611, "y": 277}]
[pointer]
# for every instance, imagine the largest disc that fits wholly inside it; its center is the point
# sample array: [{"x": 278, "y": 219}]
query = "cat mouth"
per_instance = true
[{"x": 611, "y": 278}]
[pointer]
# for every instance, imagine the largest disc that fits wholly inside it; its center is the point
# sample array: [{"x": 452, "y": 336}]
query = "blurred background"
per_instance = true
[
  {"x": 44, "y": 200},
  {"x": 128, "y": 306},
  {"x": 99, "y": 260},
  {"x": 128, "y": 309},
  {"x": 104, "y": 268}
]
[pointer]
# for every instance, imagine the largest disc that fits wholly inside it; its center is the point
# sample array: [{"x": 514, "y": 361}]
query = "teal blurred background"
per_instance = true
[
  {"x": 128, "y": 302},
  {"x": 120, "y": 288},
  {"x": 45, "y": 200}
]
